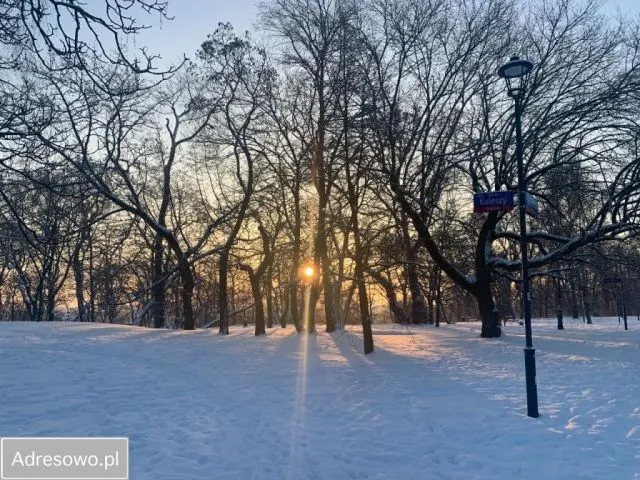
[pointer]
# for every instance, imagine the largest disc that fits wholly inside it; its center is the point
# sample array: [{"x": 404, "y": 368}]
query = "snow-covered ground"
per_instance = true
[{"x": 428, "y": 404}]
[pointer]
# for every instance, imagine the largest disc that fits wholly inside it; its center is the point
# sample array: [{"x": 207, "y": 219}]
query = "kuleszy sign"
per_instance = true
[{"x": 492, "y": 202}]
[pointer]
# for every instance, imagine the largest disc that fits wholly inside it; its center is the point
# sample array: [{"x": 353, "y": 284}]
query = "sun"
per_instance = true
[{"x": 309, "y": 271}]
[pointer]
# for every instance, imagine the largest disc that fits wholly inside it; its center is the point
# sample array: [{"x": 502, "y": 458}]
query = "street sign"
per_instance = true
[
  {"x": 611, "y": 280},
  {"x": 530, "y": 204},
  {"x": 492, "y": 202}
]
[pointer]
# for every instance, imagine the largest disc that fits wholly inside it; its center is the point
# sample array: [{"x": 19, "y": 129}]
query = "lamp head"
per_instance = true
[{"x": 514, "y": 73}]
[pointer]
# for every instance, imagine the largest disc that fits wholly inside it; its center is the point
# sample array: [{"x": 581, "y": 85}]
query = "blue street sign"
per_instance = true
[
  {"x": 610, "y": 280},
  {"x": 492, "y": 202}
]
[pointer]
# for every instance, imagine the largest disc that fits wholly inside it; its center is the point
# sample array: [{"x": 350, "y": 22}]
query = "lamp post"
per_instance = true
[{"x": 514, "y": 73}]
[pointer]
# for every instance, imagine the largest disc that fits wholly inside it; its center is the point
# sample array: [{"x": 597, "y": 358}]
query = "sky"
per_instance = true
[{"x": 194, "y": 19}]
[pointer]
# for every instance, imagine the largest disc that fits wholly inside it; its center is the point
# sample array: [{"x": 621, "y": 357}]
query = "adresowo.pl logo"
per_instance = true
[{"x": 64, "y": 458}]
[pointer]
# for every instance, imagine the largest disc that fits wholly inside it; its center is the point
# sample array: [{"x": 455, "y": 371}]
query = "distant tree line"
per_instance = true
[{"x": 351, "y": 144}]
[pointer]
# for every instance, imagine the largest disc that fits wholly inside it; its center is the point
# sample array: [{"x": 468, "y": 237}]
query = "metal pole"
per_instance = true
[{"x": 529, "y": 351}]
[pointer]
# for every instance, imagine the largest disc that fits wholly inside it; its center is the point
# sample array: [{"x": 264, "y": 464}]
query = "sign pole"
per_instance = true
[{"x": 529, "y": 350}]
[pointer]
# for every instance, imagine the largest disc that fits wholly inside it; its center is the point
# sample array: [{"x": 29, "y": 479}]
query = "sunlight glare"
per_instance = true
[{"x": 299, "y": 408}]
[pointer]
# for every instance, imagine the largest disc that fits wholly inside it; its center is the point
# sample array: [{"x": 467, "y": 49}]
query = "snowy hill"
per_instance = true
[{"x": 428, "y": 404}]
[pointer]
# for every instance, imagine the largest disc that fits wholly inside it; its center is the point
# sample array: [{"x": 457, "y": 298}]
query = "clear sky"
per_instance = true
[
  {"x": 625, "y": 6},
  {"x": 194, "y": 19}
]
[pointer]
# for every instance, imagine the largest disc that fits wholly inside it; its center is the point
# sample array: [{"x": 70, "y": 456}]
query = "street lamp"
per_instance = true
[{"x": 514, "y": 73}]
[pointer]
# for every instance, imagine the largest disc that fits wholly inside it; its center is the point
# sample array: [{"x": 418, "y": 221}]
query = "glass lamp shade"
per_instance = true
[
  {"x": 514, "y": 72},
  {"x": 515, "y": 68}
]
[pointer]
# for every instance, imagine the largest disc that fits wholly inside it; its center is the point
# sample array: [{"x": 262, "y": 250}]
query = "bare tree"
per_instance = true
[
  {"x": 241, "y": 73},
  {"x": 312, "y": 31},
  {"x": 454, "y": 128},
  {"x": 256, "y": 274},
  {"x": 285, "y": 157}
]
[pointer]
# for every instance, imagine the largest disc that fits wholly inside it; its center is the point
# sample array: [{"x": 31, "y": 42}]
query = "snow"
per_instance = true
[{"x": 430, "y": 403}]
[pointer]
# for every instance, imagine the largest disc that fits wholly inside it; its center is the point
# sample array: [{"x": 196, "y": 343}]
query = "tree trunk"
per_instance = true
[
  {"x": 486, "y": 307},
  {"x": 294, "y": 276},
  {"x": 587, "y": 307},
  {"x": 308, "y": 308},
  {"x": 438, "y": 288},
  {"x": 346, "y": 306},
  {"x": 322, "y": 260},
  {"x": 323, "y": 187},
  {"x": 359, "y": 254},
  {"x": 293, "y": 304},
  {"x": 419, "y": 312},
  {"x": 292, "y": 288},
  {"x": 575, "y": 313},
  {"x": 188, "y": 285},
  {"x": 257, "y": 304},
  {"x": 312, "y": 295},
  {"x": 314, "y": 290},
  {"x": 159, "y": 285},
  {"x": 397, "y": 312},
  {"x": 482, "y": 288},
  {"x": 51, "y": 303},
  {"x": 285, "y": 308},
  {"x": 365, "y": 314},
  {"x": 179, "y": 318},
  {"x": 418, "y": 309},
  {"x": 223, "y": 299},
  {"x": 92, "y": 282},
  {"x": 268, "y": 292},
  {"x": 430, "y": 311},
  {"x": 255, "y": 279},
  {"x": 559, "y": 305},
  {"x": 78, "y": 275},
  {"x": 49, "y": 292}
]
